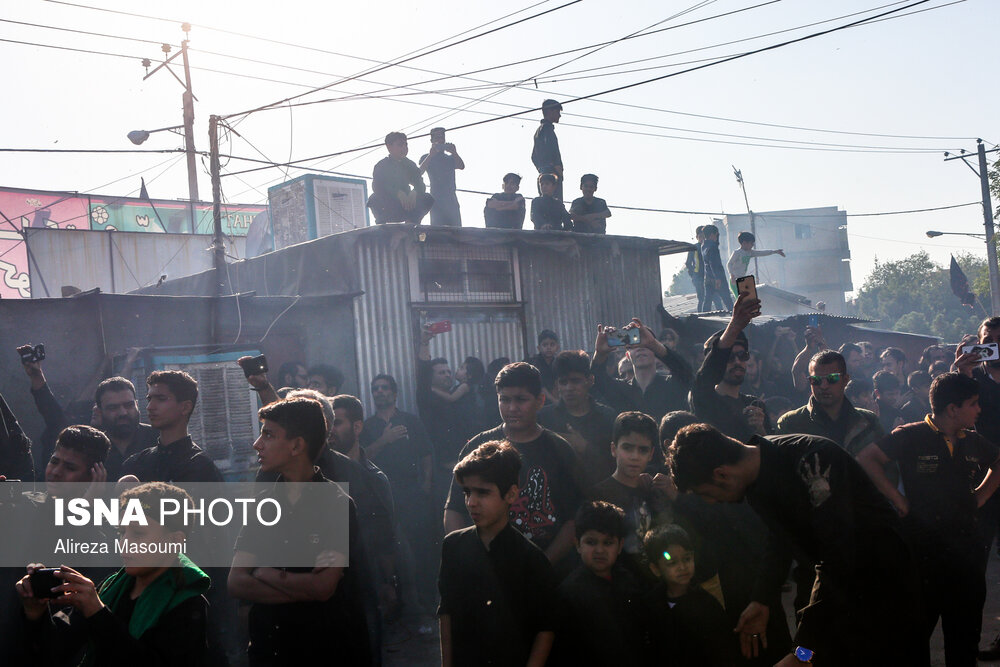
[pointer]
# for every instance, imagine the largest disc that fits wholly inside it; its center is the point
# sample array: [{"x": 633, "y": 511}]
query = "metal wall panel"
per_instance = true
[
  {"x": 116, "y": 262},
  {"x": 383, "y": 322},
  {"x": 572, "y": 294},
  {"x": 486, "y": 332}
]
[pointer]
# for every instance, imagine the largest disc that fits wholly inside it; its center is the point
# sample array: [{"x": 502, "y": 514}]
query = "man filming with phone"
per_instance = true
[
  {"x": 115, "y": 412},
  {"x": 647, "y": 391}
]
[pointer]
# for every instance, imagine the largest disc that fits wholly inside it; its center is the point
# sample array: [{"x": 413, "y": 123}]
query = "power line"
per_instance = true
[
  {"x": 404, "y": 60},
  {"x": 89, "y": 150},
  {"x": 371, "y": 96},
  {"x": 68, "y": 48},
  {"x": 628, "y": 86},
  {"x": 87, "y": 32}
]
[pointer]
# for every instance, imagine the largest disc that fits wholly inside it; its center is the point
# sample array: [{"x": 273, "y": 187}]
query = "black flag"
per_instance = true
[{"x": 960, "y": 284}]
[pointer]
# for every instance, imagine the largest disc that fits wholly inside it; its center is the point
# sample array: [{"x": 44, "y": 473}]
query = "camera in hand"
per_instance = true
[
  {"x": 624, "y": 337},
  {"x": 42, "y": 582},
  {"x": 254, "y": 365},
  {"x": 31, "y": 354}
]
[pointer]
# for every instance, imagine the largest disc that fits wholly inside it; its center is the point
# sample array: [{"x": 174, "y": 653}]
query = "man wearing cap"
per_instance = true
[
  {"x": 440, "y": 164},
  {"x": 545, "y": 154}
]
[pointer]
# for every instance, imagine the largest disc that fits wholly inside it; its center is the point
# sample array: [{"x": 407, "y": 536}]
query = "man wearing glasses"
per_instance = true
[
  {"x": 715, "y": 393},
  {"x": 829, "y": 413}
]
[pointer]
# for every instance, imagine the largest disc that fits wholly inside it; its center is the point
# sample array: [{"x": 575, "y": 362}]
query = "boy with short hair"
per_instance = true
[
  {"x": 590, "y": 214},
  {"x": 398, "y": 190},
  {"x": 633, "y": 437},
  {"x": 547, "y": 212},
  {"x": 703, "y": 634},
  {"x": 505, "y": 210},
  {"x": 716, "y": 294},
  {"x": 544, "y": 361},
  {"x": 739, "y": 262},
  {"x": 549, "y": 495},
  {"x": 496, "y": 586},
  {"x": 604, "y": 619}
]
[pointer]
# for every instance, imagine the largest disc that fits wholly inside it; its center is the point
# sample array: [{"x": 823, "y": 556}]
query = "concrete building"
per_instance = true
[{"x": 815, "y": 240}]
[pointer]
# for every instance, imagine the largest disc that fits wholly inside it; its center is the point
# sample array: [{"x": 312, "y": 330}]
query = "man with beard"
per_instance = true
[
  {"x": 715, "y": 394},
  {"x": 119, "y": 413},
  {"x": 114, "y": 406},
  {"x": 397, "y": 442},
  {"x": 829, "y": 413}
]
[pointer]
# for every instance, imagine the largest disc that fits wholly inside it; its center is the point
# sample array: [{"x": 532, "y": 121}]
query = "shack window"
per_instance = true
[{"x": 456, "y": 274}]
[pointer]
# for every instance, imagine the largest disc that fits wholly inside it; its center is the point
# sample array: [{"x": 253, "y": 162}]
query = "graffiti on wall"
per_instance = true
[{"x": 24, "y": 209}]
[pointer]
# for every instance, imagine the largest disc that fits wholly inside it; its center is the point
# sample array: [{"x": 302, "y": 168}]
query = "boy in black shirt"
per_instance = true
[
  {"x": 496, "y": 587},
  {"x": 547, "y": 212},
  {"x": 298, "y": 611},
  {"x": 603, "y": 620},
  {"x": 505, "y": 210},
  {"x": 548, "y": 493},
  {"x": 398, "y": 190},
  {"x": 940, "y": 459},
  {"x": 702, "y": 632},
  {"x": 633, "y": 438},
  {"x": 590, "y": 213}
]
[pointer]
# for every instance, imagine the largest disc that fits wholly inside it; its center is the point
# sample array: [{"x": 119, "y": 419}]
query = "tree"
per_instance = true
[
  {"x": 914, "y": 294},
  {"x": 681, "y": 283}
]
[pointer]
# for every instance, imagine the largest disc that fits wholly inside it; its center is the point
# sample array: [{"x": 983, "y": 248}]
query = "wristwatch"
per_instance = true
[{"x": 804, "y": 655}]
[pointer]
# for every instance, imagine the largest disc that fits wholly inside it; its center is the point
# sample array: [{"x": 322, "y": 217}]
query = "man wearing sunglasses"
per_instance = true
[
  {"x": 715, "y": 394},
  {"x": 829, "y": 413}
]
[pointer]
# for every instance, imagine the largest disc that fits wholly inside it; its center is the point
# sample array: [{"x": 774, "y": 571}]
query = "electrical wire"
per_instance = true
[
  {"x": 404, "y": 60},
  {"x": 627, "y": 86}
]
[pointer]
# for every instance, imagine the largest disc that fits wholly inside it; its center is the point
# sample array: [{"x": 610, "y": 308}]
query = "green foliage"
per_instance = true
[
  {"x": 681, "y": 283},
  {"x": 914, "y": 295}
]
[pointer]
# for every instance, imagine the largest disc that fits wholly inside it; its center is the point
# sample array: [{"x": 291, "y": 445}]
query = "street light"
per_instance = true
[
  {"x": 138, "y": 137},
  {"x": 931, "y": 235}
]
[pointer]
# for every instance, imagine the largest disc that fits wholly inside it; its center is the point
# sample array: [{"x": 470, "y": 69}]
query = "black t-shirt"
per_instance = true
[
  {"x": 602, "y": 621},
  {"x": 988, "y": 423},
  {"x": 498, "y": 599},
  {"x": 581, "y": 207},
  {"x": 549, "y": 211},
  {"x": 289, "y": 631},
  {"x": 176, "y": 462},
  {"x": 702, "y": 634},
  {"x": 637, "y": 504},
  {"x": 939, "y": 484},
  {"x": 545, "y": 368},
  {"x": 505, "y": 219},
  {"x": 448, "y": 426},
  {"x": 549, "y": 494},
  {"x": 596, "y": 462},
  {"x": 402, "y": 460}
]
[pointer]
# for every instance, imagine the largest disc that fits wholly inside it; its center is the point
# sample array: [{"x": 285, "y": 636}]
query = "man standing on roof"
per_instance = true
[
  {"x": 545, "y": 154},
  {"x": 440, "y": 164}
]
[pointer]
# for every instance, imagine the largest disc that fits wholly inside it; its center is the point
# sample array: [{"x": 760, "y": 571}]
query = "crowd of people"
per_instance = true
[
  {"x": 646, "y": 501},
  {"x": 400, "y": 195}
]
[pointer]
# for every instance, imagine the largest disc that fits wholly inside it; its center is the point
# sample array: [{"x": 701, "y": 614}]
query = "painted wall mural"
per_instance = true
[{"x": 21, "y": 209}]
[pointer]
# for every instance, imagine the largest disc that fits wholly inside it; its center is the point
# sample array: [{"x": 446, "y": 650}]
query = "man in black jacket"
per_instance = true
[
  {"x": 715, "y": 394},
  {"x": 820, "y": 507}
]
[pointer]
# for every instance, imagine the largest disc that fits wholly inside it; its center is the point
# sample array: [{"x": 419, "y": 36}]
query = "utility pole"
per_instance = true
[
  {"x": 218, "y": 240},
  {"x": 187, "y": 100},
  {"x": 753, "y": 223},
  {"x": 991, "y": 247}
]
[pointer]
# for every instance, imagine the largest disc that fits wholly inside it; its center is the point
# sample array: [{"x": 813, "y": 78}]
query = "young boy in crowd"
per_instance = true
[
  {"x": 633, "y": 437},
  {"x": 739, "y": 262},
  {"x": 590, "y": 214},
  {"x": 548, "y": 496},
  {"x": 603, "y": 620},
  {"x": 547, "y": 212},
  {"x": 701, "y": 632},
  {"x": 496, "y": 586}
]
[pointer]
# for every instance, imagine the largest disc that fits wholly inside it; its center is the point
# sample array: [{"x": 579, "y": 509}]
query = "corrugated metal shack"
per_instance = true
[{"x": 499, "y": 288}]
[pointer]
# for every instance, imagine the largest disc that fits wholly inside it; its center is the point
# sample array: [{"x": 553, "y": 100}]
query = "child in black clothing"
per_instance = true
[
  {"x": 496, "y": 586},
  {"x": 547, "y": 212},
  {"x": 702, "y": 631},
  {"x": 604, "y": 619}
]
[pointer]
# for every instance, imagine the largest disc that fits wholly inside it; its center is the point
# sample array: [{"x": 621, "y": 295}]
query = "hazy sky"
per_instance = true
[{"x": 924, "y": 76}]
